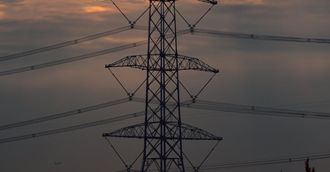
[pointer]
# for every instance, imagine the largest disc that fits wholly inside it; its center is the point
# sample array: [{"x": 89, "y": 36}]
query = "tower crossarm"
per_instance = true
[
  {"x": 189, "y": 132},
  {"x": 184, "y": 63}
]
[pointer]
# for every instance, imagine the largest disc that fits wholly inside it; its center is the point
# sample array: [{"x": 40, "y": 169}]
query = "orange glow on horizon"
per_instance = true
[
  {"x": 2, "y": 13},
  {"x": 236, "y": 2},
  {"x": 96, "y": 9}
]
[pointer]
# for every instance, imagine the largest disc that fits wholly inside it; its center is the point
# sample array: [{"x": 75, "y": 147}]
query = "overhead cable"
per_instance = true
[
  {"x": 206, "y": 105},
  {"x": 192, "y": 26},
  {"x": 244, "y": 164},
  {"x": 132, "y": 23},
  {"x": 240, "y": 35},
  {"x": 246, "y": 109},
  {"x": 121, "y": 12},
  {"x": 72, "y": 128},
  {"x": 64, "y": 114},
  {"x": 204, "y": 14},
  {"x": 77, "y": 127},
  {"x": 71, "y": 59},
  {"x": 64, "y": 44},
  {"x": 80, "y": 57},
  {"x": 79, "y": 40},
  {"x": 255, "y": 110}
]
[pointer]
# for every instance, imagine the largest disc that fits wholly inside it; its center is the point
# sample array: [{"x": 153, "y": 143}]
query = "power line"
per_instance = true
[
  {"x": 192, "y": 26},
  {"x": 262, "y": 162},
  {"x": 72, "y": 128},
  {"x": 130, "y": 22},
  {"x": 64, "y": 44},
  {"x": 240, "y": 35},
  {"x": 71, "y": 59},
  {"x": 64, "y": 114},
  {"x": 196, "y": 30},
  {"x": 132, "y": 45},
  {"x": 210, "y": 106},
  {"x": 247, "y": 109},
  {"x": 132, "y": 25},
  {"x": 306, "y": 104},
  {"x": 81, "y": 57},
  {"x": 244, "y": 164},
  {"x": 121, "y": 12},
  {"x": 75, "y": 127},
  {"x": 255, "y": 110}
]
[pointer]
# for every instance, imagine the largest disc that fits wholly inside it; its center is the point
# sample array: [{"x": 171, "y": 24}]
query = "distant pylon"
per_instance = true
[{"x": 163, "y": 130}]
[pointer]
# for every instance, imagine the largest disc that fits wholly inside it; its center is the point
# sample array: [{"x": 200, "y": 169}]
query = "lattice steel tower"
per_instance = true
[{"x": 162, "y": 130}]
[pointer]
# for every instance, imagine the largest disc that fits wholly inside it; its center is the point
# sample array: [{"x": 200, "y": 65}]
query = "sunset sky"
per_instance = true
[{"x": 265, "y": 73}]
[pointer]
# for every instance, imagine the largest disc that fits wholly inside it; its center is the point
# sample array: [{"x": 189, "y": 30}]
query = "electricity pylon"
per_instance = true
[{"x": 163, "y": 130}]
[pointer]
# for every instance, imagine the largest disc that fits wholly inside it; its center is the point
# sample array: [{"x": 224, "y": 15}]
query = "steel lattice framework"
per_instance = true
[
  {"x": 162, "y": 130},
  {"x": 188, "y": 132},
  {"x": 184, "y": 63}
]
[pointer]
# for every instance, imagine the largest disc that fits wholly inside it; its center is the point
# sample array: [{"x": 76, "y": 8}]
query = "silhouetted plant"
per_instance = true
[{"x": 307, "y": 168}]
